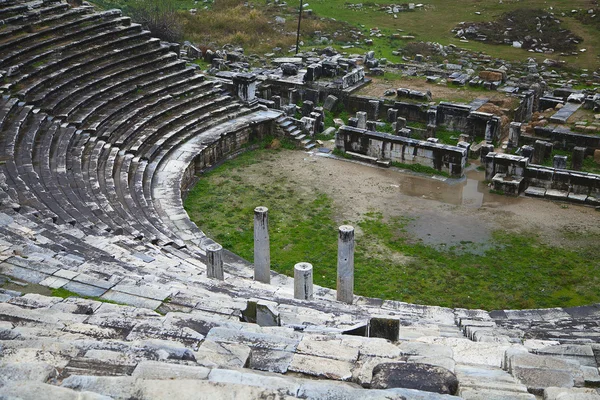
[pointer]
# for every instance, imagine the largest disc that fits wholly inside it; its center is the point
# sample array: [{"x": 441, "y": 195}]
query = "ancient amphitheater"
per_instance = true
[{"x": 99, "y": 124}]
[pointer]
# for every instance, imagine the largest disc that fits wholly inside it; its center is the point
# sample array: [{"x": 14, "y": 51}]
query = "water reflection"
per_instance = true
[{"x": 470, "y": 191}]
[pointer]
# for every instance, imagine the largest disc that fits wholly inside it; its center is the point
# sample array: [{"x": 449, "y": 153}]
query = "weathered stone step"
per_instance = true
[
  {"x": 126, "y": 130},
  {"x": 34, "y": 14},
  {"x": 136, "y": 103},
  {"x": 94, "y": 103},
  {"x": 46, "y": 20},
  {"x": 65, "y": 107},
  {"x": 44, "y": 64},
  {"x": 29, "y": 44},
  {"x": 111, "y": 66}
]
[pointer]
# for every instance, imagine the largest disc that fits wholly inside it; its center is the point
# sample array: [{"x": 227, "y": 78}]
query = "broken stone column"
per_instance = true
[
  {"x": 485, "y": 149},
  {"x": 307, "y": 108},
  {"x": 490, "y": 166},
  {"x": 303, "y": 281},
  {"x": 577, "y": 159},
  {"x": 277, "y": 102},
  {"x": 214, "y": 270},
  {"x": 345, "y": 265},
  {"x": 527, "y": 151},
  {"x": 245, "y": 87},
  {"x": 392, "y": 115},
  {"x": 514, "y": 134},
  {"x": 559, "y": 162},
  {"x": 262, "y": 253},
  {"x": 373, "y": 109},
  {"x": 539, "y": 151},
  {"x": 362, "y": 120},
  {"x": 489, "y": 131},
  {"x": 400, "y": 125},
  {"x": 432, "y": 116}
]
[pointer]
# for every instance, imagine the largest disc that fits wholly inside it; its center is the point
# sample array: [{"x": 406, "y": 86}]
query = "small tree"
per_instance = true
[{"x": 159, "y": 17}]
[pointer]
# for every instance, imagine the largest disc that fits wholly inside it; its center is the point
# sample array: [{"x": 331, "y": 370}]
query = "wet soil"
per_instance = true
[{"x": 441, "y": 212}]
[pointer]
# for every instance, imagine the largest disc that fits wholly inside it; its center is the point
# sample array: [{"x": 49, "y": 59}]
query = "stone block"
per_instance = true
[
  {"x": 270, "y": 360},
  {"x": 386, "y": 328},
  {"x": 558, "y": 393},
  {"x": 537, "y": 379},
  {"x": 361, "y": 118},
  {"x": 509, "y": 185},
  {"x": 322, "y": 367},
  {"x": 423, "y": 377},
  {"x": 328, "y": 348},
  {"x": 330, "y": 102},
  {"x": 226, "y": 355}
]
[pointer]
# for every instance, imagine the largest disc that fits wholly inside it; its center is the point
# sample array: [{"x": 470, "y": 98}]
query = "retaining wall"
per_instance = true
[{"x": 383, "y": 146}]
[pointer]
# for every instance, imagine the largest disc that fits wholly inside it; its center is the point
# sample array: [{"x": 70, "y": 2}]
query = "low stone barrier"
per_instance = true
[{"x": 383, "y": 146}]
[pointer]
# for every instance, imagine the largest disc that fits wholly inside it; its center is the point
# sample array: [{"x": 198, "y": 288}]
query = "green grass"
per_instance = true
[
  {"x": 64, "y": 294},
  {"x": 422, "y": 169},
  {"x": 515, "y": 271},
  {"x": 447, "y": 137},
  {"x": 436, "y": 20}
]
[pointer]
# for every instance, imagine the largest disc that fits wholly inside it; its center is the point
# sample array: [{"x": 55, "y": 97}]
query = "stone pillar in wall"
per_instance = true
[
  {"x": 214, "y": 270},
  {"x": 577, "y": 159},
  {"x": 262, "y": 251},
  {"x": 303, "y": 281},
  {"x": 514, "y": 134},
  {"x": 345, "y": 264},
  {"x": 245, "y": 87}
]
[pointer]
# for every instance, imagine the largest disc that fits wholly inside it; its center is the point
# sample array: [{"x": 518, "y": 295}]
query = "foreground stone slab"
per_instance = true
[
  {"x": 191, "y": 389},
  {"x": 423, "y": 377},
  {"x": 322, "y": 367},
  {"x": 159, "y": 370},
  {"x": 537, "y": 379},
  {"x": 556, "y": 393},
  {"x": 31, "y": 391}
]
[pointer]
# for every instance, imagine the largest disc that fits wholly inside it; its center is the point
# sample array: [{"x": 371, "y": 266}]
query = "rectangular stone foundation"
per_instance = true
[{"x": 509, "y": 185}]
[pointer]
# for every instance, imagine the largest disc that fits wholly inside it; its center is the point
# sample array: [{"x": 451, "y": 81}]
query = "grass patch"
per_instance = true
[
  {"x": 422, "y": 169},
  {"x": 447, "y": 137},
  {"x": 518, "y": 271},
  {"x": 65, "y": 294}
]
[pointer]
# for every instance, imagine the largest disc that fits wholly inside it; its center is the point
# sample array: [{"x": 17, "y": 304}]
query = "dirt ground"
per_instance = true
[
  {"x": 442, "y": 212},
  {"x": 439, "y": 92}
]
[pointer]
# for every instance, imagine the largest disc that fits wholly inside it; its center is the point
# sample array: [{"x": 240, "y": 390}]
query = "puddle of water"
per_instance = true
[{"x": 470, "y": 192}]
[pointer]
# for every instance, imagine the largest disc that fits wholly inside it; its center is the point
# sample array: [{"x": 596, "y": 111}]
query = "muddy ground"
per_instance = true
[
  {"x": 442, "y": 213},
  {"x": 439, "y": 92}
]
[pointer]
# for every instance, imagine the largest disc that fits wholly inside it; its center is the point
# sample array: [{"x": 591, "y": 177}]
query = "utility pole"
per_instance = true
[{"x": 298, "y": 35}]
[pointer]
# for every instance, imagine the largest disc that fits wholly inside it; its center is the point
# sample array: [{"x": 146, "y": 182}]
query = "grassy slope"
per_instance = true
[
  {"x": 252, "y": 29},
  {"x": 435, "y": 22},
  {"x": 518, "y": 272}
]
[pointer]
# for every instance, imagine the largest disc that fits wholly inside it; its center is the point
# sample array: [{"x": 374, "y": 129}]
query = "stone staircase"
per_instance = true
[
  {"x": 293, "y": 129},
  {"x": 100, "y": 128}
]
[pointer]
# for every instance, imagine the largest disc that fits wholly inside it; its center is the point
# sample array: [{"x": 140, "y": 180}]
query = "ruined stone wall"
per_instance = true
[
  {"x": 563, "y": 139},
  {"x": 217, "y": 151},
  {"x": 564, "y": 180},
  {"x": 540, "y": 176},
  {"x": 526, "y": 106},
  {"x": 450, "y": 159}
]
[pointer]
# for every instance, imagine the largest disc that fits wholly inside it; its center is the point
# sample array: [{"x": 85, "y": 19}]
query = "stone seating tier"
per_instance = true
[{"x": 98, "y": 126}]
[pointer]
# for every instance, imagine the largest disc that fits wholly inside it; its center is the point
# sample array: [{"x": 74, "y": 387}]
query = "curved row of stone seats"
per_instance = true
[
  {"x": 30, "y": 11},
  {"x": 477, "y": 365},
  {"x": 75, "y": 346},
  {"x": 49, "y": 97},
  {"x": 116, "y": 178}
]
